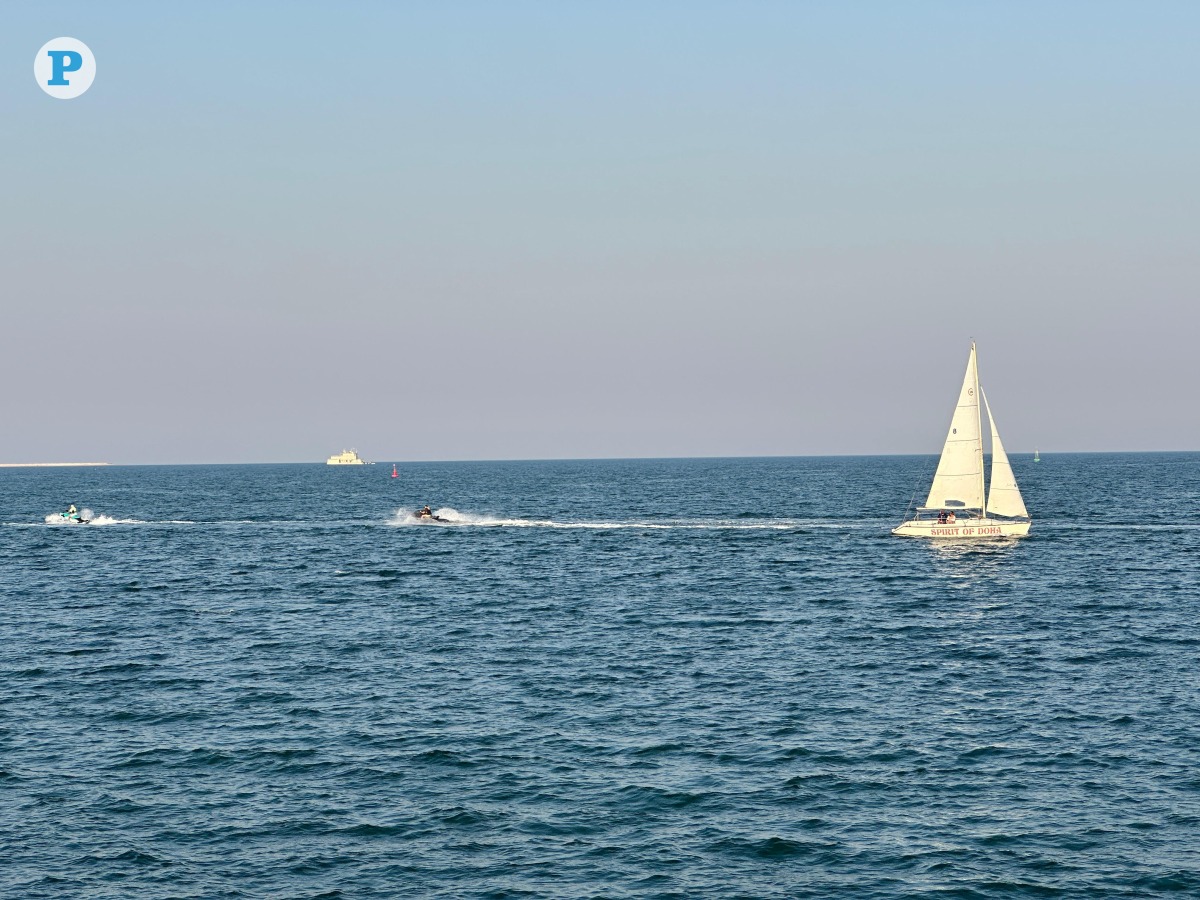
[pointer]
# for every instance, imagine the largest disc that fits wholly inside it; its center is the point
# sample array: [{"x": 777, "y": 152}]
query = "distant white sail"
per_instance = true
[
  {"x": 958, "y": 481},
  {"x": 1004, "y": 497}
]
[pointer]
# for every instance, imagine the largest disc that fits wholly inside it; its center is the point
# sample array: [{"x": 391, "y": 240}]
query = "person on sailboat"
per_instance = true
[
  {"x": 950, "y": 517},
  {"x": 942, "y": 517}
]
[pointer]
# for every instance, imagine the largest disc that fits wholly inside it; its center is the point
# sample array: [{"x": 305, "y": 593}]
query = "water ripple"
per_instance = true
[{"x": 603, "y": 679}]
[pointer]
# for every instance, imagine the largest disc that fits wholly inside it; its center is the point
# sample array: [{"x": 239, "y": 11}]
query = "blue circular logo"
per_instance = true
[{"x": 64, "y": 68}]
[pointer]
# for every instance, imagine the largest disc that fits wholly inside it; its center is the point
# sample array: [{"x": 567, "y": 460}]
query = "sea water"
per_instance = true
[{"x": 660, "y": 678}]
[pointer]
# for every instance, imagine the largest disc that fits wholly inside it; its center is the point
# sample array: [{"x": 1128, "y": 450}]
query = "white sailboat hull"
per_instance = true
[{"x": 963, "y": 529}]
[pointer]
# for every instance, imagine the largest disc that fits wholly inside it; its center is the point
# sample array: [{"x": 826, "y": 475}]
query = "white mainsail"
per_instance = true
[
  {"x": 1004, "y": 497},
  {"x": 958, "y": 481}
]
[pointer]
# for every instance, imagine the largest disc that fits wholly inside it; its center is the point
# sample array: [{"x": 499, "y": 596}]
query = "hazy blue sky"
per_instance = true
[{"x": 487, "y": 230}]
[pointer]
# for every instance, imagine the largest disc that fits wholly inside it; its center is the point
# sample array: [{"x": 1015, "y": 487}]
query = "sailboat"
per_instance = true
[
  {"x": 956, "y": 506},
  {"x": 1036, "y": 458}
]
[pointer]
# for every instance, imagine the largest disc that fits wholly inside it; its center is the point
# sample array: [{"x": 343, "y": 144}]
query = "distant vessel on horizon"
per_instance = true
[
  {"x": 1036, "y": 458},
  {"x": 956, "y": 506},
  {"x": 346, "y": 458}
]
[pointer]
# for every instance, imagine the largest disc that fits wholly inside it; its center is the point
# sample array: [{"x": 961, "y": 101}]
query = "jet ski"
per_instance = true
[
  {"x": 73, "y": 518},
  {"x": 426, "y": 515}
]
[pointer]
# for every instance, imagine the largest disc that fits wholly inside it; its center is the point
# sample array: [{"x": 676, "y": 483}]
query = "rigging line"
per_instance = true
[{"x": 928, "y": 479}]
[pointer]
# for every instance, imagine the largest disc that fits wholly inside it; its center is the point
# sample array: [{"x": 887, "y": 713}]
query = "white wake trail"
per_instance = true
[
  {"x": 87, "y": 517},
  {"x": 450, "y": 517}
]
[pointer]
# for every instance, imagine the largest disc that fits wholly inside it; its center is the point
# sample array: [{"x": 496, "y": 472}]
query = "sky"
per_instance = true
[{"x": 540, "y": 230}]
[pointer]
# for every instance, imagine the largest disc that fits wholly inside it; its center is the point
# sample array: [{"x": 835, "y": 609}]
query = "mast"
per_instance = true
[{"x": 979, "y": 431}]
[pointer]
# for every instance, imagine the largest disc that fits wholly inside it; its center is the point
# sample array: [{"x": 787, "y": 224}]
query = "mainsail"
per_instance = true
[
  {"x": 958, "y": 481},
  {"x": 1004, "y": 497}
]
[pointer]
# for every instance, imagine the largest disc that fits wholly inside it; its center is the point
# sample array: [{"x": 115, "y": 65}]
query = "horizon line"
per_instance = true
[{"x": 400, "y": 461}]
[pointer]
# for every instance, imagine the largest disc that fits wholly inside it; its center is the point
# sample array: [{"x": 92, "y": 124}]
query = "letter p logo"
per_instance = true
[
  {"x": 62, "y": 62},
  {"x": 64, "y": 68}
]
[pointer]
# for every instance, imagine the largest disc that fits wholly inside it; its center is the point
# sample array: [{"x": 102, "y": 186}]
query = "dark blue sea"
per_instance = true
[{"x": 650, "y": 679}]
